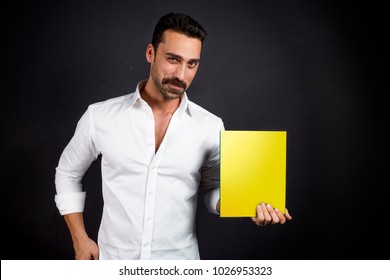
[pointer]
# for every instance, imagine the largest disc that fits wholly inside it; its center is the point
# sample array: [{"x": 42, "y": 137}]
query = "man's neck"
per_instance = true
[{"x": 157, "y": 101}]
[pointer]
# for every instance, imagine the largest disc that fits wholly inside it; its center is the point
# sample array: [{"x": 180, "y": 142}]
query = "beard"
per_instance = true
[{"x": 165, "y": 87}]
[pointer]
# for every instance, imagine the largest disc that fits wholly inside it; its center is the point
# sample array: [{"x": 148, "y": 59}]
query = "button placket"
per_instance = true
[
  {"x": 148, "y": 214},
  {"x": 146, "y": 246},
  {"x": 150, "y": 190}
]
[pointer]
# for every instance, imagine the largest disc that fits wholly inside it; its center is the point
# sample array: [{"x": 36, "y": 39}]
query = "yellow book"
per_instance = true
[{"x": 253, "y": 170}]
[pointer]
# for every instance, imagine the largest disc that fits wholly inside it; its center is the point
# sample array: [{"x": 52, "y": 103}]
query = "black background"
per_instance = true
[{"x": 313, "y": 68}]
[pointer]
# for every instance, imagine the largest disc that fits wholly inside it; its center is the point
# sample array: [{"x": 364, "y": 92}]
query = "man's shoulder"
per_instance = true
[
  {"x": 203, "y": 113},
  {"x": 111, "y": 104}
]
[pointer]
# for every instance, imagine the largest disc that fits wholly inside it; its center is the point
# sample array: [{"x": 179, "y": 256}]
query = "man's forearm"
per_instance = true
[{"x": 75, "y": 223}]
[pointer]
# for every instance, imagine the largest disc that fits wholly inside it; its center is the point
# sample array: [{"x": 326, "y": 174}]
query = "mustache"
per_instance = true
[{"x": 174, "y": 81}]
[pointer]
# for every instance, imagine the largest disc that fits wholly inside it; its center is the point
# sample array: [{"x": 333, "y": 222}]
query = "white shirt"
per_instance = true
[{"x": 149, "y": 198}]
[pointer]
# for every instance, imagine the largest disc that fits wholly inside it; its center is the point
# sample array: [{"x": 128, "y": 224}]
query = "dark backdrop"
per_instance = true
[{"x": 313, "y": 68}]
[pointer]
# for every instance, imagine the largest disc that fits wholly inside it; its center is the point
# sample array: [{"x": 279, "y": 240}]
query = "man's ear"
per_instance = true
[{"x": 150, "y": 53}]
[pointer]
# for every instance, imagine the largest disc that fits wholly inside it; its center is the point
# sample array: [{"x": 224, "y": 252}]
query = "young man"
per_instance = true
[{"x": 158, "y": 150}]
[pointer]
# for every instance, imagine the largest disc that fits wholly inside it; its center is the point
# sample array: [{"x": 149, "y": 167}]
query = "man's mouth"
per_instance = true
[{"x": 175, "y": 86}]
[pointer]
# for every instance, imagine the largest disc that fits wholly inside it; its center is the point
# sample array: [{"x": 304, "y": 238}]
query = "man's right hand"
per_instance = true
[{"x": 86, "y": 249}]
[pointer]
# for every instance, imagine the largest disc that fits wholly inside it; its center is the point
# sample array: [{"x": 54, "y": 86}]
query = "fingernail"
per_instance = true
[
  {"x": 269, "y": 206},
  {"x": 277, "y": 210}
]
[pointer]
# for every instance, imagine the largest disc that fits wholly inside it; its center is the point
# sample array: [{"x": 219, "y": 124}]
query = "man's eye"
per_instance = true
[
  {"x": 193, "y": 64},
  {"x": 173, "y": 59}
]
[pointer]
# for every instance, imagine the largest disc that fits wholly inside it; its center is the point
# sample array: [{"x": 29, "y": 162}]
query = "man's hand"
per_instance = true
[
  {"x": 86, "y": 249},
  {"x": 267, "y": 215}
]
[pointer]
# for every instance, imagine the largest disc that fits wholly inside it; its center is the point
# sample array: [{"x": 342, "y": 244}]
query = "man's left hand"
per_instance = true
[{"x": 267, "y": 215}]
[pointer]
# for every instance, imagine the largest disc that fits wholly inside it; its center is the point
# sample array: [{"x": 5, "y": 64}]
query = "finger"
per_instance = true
[
  {"x": 274, "y": 217},
  {"x": 259, "y": 220},
  {"x": 280, "y": 215},
  {"x": 84, "y": 256},
  {"x": 260, "y": 212},
  {"x": 287, "y": 215},
  {"x": 267, "y": 216},
  {"x": 95, "y": 255}
]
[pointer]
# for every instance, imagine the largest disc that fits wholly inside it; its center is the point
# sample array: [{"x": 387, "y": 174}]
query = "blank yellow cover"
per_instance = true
[{"x": 253, "y": 170}]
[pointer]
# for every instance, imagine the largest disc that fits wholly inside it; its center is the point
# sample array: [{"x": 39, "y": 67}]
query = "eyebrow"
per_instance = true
[{"x": 181, "y": 58}]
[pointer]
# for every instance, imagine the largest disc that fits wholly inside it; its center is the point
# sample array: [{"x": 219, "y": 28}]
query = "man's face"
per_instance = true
[{"x": 174, "y": 65}]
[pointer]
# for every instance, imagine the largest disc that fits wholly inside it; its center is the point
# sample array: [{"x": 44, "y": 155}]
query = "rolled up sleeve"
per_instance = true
[
  {"x": 70, "y": 202},
  {"x": 74, "y": 162}
]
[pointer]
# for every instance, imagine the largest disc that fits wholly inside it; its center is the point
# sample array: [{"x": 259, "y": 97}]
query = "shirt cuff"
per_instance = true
[
  {"x": 70, "y": 202},
  {"x": 211, "y": 199}
]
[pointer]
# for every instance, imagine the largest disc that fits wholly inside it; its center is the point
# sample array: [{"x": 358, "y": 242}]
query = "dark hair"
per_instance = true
[{"x": 180, "y": 23}]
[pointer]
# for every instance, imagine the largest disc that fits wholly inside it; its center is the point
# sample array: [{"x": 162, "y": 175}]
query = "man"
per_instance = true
[{"x": 158, "y": 150}]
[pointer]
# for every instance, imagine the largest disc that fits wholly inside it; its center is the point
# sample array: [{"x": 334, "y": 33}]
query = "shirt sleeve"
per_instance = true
[
  {"x": 210, "y": 176},
  {"x": 73, "y": 163}
]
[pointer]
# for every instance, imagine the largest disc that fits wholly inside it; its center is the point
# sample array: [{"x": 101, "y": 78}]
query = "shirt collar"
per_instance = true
[
  {"x": 184, "y": 105},
  {"x": 136, "y": 97}
]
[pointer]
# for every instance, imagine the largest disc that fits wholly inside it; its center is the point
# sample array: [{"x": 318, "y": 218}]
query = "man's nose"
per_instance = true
[{"x": 180, "y": 72}]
